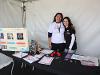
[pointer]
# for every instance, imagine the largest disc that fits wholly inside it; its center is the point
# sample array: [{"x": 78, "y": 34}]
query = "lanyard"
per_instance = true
[{"x": 59, "y": 28}]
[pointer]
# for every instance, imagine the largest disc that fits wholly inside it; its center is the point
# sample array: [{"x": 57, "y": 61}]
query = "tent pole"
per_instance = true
[{"x": 23, "y": 14}]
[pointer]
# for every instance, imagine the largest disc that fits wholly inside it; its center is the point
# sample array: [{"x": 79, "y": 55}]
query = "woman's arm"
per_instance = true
[
  {"x": 49, "y": 39},
  {"x": 72, "y": 41}
]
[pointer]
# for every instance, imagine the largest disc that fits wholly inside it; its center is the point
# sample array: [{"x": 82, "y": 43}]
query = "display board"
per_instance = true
[{"x": 14, "y": 39}]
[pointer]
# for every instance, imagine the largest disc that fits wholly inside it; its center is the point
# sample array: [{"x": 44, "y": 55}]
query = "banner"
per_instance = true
[{"x": 14, "y": 39}]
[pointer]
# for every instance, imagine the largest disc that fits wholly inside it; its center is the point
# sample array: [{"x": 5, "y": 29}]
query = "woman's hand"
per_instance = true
[
  {"x": 69, "y": 50},
  {"x": 49, "y": 42}
]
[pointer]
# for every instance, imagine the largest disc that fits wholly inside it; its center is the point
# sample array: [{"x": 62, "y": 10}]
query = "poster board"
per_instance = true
[{"x": 14, "y": 39}]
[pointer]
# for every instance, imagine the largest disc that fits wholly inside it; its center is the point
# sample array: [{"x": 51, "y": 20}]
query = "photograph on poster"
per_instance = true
[
  {"x": 20, "y": 36},
  {"x": 1, "y": 36},
  {"x": 10, "y": 36},
  {"x": 3, "y": 46}
]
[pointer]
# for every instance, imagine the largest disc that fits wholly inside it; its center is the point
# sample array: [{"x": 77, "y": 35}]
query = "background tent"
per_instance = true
[{"x": 85, "y": 15}]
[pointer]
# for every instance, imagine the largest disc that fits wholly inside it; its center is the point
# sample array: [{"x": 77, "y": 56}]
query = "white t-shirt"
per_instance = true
[{"x": 57, "y": 30}]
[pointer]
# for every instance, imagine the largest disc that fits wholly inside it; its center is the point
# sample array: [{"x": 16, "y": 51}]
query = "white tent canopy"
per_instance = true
[{"x": 85, "y": 15}]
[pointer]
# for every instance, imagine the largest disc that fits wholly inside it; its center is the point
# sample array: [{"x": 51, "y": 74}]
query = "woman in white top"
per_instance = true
[
  {"x": 69, "y": 35},
  {"x": 56, "y": 34}
]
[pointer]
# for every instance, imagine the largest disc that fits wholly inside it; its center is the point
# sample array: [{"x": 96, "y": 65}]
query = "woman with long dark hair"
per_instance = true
[
  {"x": 69, "y": 35},
  {"x": 56, "y": 35}
]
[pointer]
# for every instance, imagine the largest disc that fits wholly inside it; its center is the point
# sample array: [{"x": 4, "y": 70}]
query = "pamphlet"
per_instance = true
[
  {"x": 20, "y": 54},
  {"x": 30, "y": 59},
  {"x": 46, "y": 60}
]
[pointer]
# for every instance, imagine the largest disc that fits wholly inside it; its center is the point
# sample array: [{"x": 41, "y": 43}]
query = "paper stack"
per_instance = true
[
  {"x": 20, "y": 54},
  {"x": 39, "y": 55},
  {"x": 46, "y": 51},
  {"x": 46, "y": 60},
  {"x": 86, "y": 60},
  {"x": 30, "y": 59}
]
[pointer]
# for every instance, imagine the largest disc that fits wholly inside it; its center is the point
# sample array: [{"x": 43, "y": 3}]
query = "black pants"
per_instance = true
[{"x": 60, "y": 47}]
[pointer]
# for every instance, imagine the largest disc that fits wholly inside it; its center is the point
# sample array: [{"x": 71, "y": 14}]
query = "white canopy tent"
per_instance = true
[{"x": 85, "y": 15}]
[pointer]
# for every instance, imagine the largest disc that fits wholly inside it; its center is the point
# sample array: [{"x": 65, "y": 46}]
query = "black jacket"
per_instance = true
[{"x": 67, "y": 35}]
